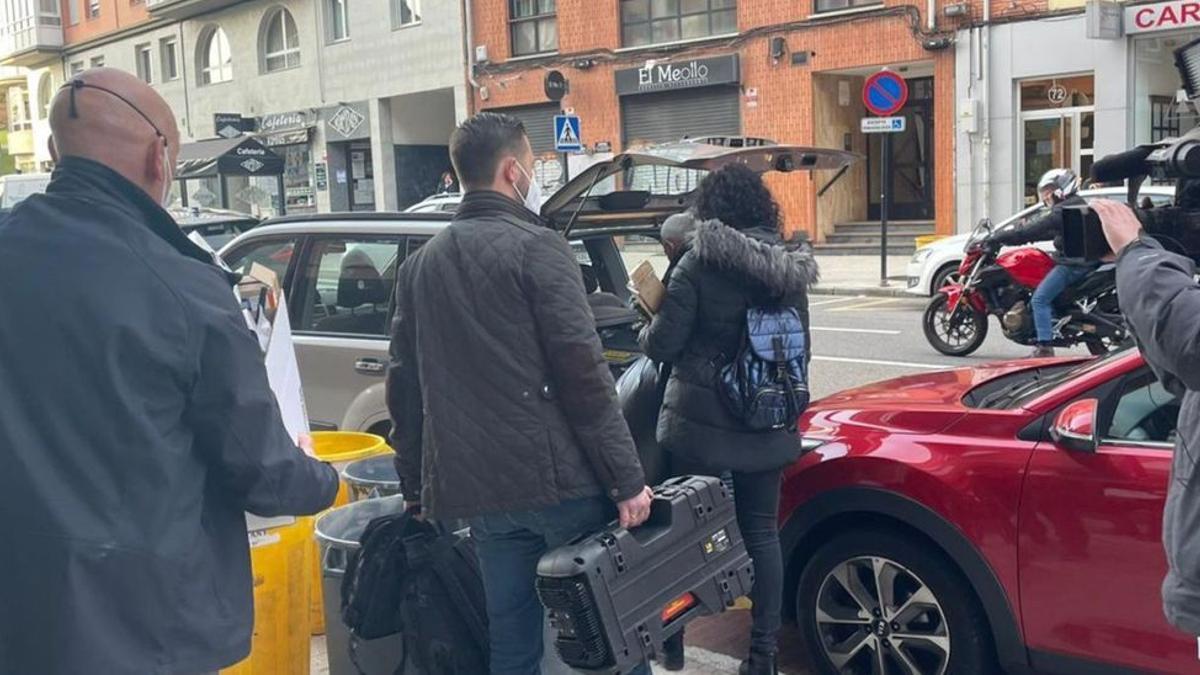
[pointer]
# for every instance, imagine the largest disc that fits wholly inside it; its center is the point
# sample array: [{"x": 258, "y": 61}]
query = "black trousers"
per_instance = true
[{"x": 756, "y": 498}]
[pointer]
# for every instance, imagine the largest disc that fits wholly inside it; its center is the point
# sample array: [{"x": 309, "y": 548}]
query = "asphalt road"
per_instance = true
[{"x": 861, "y": 340}]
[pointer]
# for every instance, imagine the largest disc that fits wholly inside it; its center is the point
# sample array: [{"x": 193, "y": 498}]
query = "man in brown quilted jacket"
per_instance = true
[{"x": 504, "y": 409}]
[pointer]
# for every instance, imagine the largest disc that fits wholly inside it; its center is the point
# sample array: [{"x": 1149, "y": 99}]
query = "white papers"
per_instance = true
[{"x": 283, "y": 373}]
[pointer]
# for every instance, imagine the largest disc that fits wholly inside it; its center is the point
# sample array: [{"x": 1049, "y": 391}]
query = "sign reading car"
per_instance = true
[{"x": 1162, "y": 16}]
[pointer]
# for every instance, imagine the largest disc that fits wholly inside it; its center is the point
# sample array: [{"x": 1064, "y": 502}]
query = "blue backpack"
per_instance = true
[{"x": 766, "y": 384}]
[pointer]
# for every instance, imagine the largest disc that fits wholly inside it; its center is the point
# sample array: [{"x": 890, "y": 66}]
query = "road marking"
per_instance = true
[
  {"x": 865, "y": 305},
  {"x": 873, "y": 362},
  {"x": 846, "y": 298},
  {"x": 870, "y": 331}
]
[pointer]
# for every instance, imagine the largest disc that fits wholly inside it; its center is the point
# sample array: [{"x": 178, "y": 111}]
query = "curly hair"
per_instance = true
[{"x": 738, "y": 197}]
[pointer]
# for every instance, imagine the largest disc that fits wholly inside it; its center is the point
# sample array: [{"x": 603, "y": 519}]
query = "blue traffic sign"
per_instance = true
[
  {"x": 885, "y": 93},
  {"x": 567, "y": 137}
]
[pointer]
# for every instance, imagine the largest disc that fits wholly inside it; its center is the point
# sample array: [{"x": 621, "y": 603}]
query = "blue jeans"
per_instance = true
[
  {"x": 1051, "y": 287},
  {"x": 509, "y": 547}
]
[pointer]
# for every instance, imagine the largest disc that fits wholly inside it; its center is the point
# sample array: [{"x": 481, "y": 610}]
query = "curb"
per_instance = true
[{"x": 867, "y": 291}]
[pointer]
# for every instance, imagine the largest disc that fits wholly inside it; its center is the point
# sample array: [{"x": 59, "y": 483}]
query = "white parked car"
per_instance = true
[
  {"x": 446, "y": 202},
  {"x": 932, "y": 266}
]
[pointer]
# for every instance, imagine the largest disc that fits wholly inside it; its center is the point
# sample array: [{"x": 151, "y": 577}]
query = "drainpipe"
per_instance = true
[
  {"x": 470, "y": 44},
  {"x": 181, "y": 66},
  {"x": 318, "y": 16},
  {"x": 986, "y": 71},
  {"x": 931, "y": 15}
]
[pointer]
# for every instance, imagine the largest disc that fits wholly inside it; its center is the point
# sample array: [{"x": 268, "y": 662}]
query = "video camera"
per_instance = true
[{"x": 1176, "y": 227}]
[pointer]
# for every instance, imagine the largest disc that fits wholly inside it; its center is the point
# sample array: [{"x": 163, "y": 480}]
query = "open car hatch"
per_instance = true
[{"x": 635, "y": 191}]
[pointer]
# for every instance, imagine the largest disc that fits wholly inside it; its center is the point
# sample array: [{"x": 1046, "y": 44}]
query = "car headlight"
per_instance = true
[{"x": 921, "y": 255}]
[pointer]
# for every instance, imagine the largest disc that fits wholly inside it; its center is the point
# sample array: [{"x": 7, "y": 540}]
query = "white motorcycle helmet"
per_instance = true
[{"x": 1059, "y": 184}]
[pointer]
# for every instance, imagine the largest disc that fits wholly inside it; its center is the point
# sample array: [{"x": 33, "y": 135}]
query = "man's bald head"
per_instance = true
[
  {"x": 111, "y": 117},
  {"x": 675, "y": 233}
]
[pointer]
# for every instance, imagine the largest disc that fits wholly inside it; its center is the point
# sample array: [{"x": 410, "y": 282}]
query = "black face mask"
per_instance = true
[{"x": 73, "y": 111}]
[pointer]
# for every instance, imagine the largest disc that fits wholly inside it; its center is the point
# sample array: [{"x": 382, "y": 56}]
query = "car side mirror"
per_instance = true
[
  {"x": 985, "y": 223},
  {"x": 1075, "y": 427}
]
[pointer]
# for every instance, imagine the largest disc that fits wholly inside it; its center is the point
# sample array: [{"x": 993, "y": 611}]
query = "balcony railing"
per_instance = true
[{"x": 33, "y": 33}]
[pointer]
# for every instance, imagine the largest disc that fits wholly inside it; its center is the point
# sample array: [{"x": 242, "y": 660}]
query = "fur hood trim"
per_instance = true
[{"x": 758, "y": 255}]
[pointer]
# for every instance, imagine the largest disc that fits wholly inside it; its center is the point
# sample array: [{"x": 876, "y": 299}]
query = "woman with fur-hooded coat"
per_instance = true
[{"x": 737, "y": 261}]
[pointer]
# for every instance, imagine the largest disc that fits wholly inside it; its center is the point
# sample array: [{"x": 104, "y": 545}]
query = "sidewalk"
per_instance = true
[
  {"x": 840, "y": 275},
  {"x": 859, "y": 275}
]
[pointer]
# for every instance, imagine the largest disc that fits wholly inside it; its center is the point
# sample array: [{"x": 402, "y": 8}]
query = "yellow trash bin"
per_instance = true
[
  {"x": 339, "y": 448},
  {"x": 282, "y": 568}
]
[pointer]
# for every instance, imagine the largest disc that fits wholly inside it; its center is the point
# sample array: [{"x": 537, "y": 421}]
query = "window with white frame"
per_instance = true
[
  {"x": 18, "y": 117},
  {"x": 339, "y": 20},
  {"x": 49, "y": 12},
  {"x": 45, "y": 95},
  {"x": 93, "y": 9},
  {"x": 76, "y": 68},
  {"x": 842, "y": 5},
  {"x": 73, "y": 12},
  {"x": 281, "y": 42},
  {"x": 405, "y": 13},
  {"x": 169, "y": 59},
  {"x": 1058, "y": 121},
  {"x": 97, "y": 62},
  {"x": 143, "y": 63},
  {"x": 215, "y": 60},
  {"x": 533, "y": 26}
]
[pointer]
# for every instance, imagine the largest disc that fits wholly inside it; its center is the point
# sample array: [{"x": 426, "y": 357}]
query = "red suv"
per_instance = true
[{"x": 1004, "y": 516}]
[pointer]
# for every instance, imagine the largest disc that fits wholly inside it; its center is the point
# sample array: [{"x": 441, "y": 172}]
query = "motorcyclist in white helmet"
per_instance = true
[{"x": 1057, "y": 189}]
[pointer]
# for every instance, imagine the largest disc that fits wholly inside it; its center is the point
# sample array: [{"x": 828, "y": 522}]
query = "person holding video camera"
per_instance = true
[
  {"x": 1161, "y": 301},
  {"x": 1058, "y": 189}
]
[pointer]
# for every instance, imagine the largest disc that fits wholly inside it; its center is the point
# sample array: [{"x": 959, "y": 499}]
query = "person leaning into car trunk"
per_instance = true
[
  {"x": 504, "y": 409},
  {"x": 737, "y": 260},
  {"x": 1161, "y": 301}
]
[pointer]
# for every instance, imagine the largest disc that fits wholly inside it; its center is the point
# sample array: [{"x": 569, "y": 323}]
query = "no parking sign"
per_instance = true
[{"x": 885, "y": 93}]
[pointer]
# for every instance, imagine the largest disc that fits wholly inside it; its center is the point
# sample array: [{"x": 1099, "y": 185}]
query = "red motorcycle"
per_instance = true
[{"x": 1002, "y": 284}]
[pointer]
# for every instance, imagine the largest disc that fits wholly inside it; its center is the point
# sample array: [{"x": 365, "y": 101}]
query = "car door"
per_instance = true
[
  {"x": 342, "y": 309},
  {"x": 340, "y": 316},
  {"x": 1091, "y": 556}
]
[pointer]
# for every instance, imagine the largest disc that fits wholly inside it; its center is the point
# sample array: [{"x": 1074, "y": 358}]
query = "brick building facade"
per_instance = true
[{"x": 799, "y": 74}]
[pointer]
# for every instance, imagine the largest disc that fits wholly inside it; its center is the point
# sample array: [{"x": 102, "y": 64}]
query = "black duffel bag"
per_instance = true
[
  {"x": 413, "y": 577},
  {"x": 640, "y": 391}
]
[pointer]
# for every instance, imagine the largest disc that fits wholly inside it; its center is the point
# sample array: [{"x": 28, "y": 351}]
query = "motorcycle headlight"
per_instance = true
[{"x": 922, "y": 254}]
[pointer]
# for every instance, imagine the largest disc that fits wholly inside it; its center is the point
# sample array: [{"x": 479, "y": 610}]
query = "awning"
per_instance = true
[{"x": 243, "y": 156}]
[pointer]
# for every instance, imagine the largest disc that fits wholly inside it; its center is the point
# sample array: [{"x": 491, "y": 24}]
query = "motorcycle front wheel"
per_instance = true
[{"x": 954, "y": 334}]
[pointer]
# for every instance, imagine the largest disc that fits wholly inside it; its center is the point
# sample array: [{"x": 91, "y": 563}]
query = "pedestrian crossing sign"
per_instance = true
[{"x": 566, "y": 133}]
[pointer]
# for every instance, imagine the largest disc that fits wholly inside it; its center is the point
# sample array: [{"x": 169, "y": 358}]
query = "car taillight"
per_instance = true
[{"x": 677, "y": 607}]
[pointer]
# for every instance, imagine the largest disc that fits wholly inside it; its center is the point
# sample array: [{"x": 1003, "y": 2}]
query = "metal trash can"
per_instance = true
[
  {"x": 339, "y": 448},
  {"x": 338, "y": 533},
  {"x": 372, "y": 478}
]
